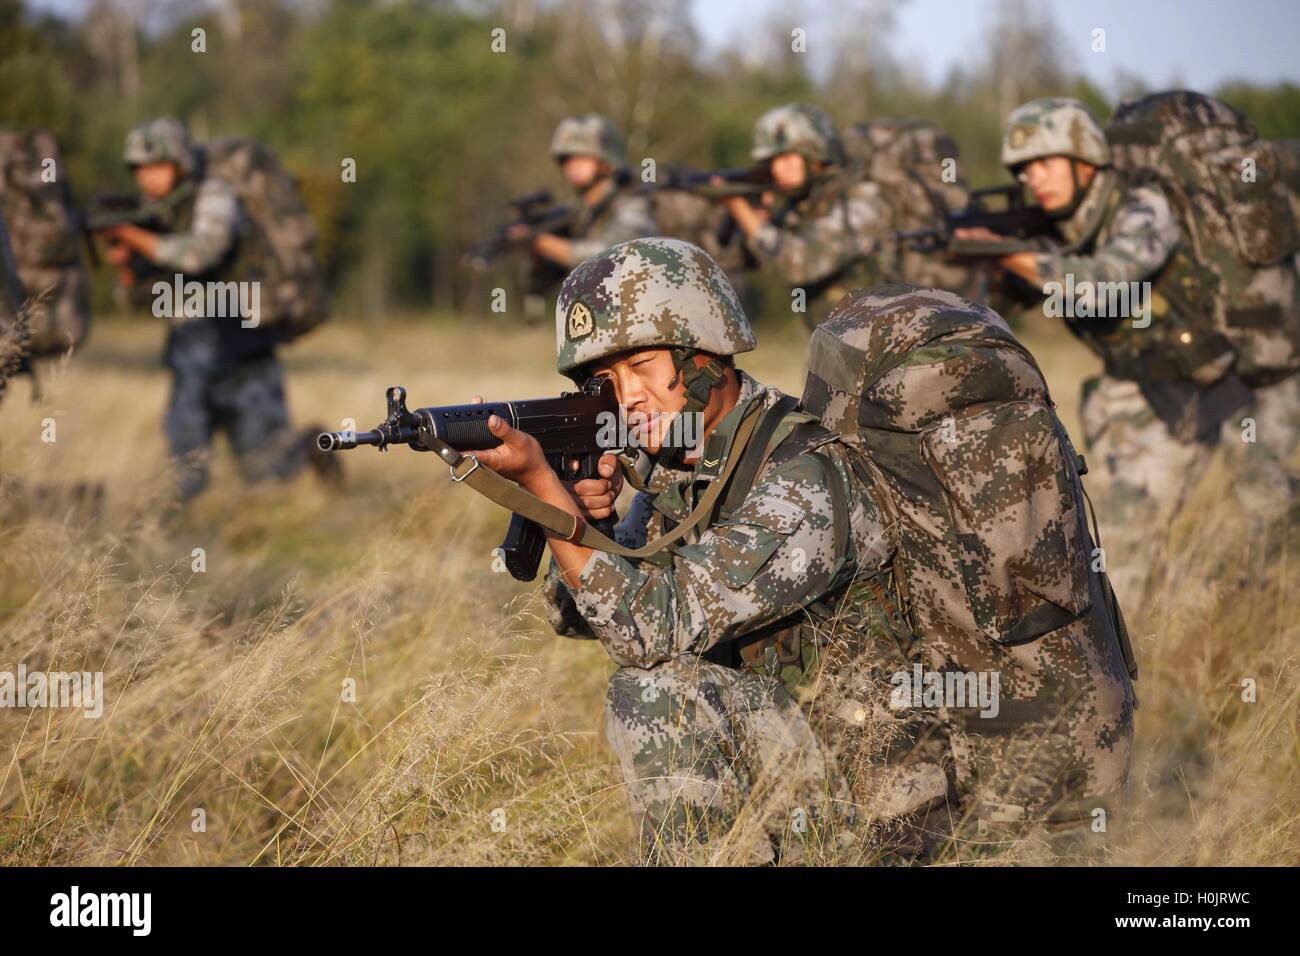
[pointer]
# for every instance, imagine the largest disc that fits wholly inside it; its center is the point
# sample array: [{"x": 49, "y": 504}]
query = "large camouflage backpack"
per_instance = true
[
  {"x": 45, "y": 237},
  {"x": 909, "y": 156},
  {"x": 293, "y": 293},
  {"x": 1228, "y": 189},
  {"x": 692, "y": 218},
  {"x": 908, "y": 159},
  {"x": 959, "y": 442}
]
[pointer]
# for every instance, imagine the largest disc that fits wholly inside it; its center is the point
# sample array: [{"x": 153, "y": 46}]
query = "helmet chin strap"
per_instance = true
[
  {"x": 700, "y": 381},
  {"x": 1076, "y": 197}
]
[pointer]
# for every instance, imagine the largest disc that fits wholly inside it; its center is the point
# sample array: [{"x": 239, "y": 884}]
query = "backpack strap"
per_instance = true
[{"x": 756, "y": 453}]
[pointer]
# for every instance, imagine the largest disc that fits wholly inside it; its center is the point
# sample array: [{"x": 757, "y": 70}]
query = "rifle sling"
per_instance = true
[{"x": 562, "y": 523}]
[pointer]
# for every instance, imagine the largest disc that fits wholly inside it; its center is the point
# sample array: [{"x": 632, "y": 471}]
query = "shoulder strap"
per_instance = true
[{"x": 756, "y": 453}]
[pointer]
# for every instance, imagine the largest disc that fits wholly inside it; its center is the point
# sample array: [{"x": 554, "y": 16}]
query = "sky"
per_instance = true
[{"x": 1195, "y": 43}]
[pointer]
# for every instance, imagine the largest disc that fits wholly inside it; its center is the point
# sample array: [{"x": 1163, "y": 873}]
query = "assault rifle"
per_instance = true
[
  {"x": 738, "y": 181},
  {"x": 1000, "y": 209},
  {"x": 566, "y": 427},
  {"x": 538, "y": 211},
  {"x": 107, "y": 210}
]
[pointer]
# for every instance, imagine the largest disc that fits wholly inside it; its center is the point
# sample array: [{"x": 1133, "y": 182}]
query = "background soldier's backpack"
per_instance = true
[
  {"x": 1229, "y": 191},
  {"x": 907, "y": 158},
  {"x": 293, "y": 293},
  {"x": 45, "y": 237},
  {"x": 962, "y": 447}
]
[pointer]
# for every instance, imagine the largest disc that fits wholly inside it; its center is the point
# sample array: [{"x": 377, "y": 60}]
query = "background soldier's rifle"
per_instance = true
[
  {"x": 1000, "y": 209},
  {"x": 538, "y": 211}
]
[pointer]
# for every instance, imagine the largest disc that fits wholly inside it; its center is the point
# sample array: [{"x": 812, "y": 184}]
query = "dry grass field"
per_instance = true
[{"x": 347, "y": 681}]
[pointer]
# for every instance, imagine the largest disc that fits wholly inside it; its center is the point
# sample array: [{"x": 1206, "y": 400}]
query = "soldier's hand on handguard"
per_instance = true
[
  {"x": 595, "y": 497},
  {"x": 519, "y": 457},
  {"x": 117, "y": 254},
  {"x": 978, "y": 233}
]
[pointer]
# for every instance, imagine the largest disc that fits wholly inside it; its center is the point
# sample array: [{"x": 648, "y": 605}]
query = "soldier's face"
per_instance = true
[
  {"x": 1050, "y": 181},
  {"x": 789, "y": 172},
  {"x": 581, "y": 171},
  {"x": 156, "y": 179},
  {"x": 641, "y": 383}
]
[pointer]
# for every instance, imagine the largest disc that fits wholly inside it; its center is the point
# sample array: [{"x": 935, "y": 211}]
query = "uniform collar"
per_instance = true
[
  {"x": 673, "y": 484},
  {"x": 1084, "y": 222}
]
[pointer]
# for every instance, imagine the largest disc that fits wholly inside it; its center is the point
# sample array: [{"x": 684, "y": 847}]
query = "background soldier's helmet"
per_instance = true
[
  {"x": 589, "y": 135},
  {"x": 645, "y": 293},
  {"x": 159, "y": 140},
  {"x": 1053, "y": 126},
  {"x": 797, "y": 128}
]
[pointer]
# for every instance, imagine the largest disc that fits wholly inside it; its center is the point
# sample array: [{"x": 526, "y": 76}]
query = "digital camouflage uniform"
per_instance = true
[
  {"x": 224, "y": 377},
  {"x": 621, "y": 214},
  {"x": 1149, "y": 424},
  {"x": 836, "y": 236},
  {"x": 754, "y": 659}
]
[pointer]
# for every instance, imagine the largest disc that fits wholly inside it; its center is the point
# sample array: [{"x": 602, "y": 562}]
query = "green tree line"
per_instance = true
[{"x": 445, "y": 118}]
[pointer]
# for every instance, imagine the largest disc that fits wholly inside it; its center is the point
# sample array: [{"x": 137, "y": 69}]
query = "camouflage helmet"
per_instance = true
[
  {"x": 647, "y": 293},
  {"x": 797, "y": 128},
  {"x": 588, "y": 135},
  {"x": 159, "y": 140},
  {"x": 1053, "y": 126}
]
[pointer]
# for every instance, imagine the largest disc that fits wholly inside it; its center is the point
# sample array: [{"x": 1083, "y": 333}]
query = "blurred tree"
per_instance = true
[{"x": 442, "y": 128}]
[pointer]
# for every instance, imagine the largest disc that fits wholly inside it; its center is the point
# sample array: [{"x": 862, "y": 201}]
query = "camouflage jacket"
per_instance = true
[
  {"x": 620, "y": 216},
  {"x": 769, "y": 559},
  {"x": 206, "y": 231},
  {"x": 835, "y": 239},
  {"x": 1122, "y": 232},
  {"x": 1119, "y": 233},
  {"x": 209, "y": 240}
]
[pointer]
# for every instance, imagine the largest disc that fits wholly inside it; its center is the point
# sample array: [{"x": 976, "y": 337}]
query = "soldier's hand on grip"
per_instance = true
[{"x": 595, "y": 497}]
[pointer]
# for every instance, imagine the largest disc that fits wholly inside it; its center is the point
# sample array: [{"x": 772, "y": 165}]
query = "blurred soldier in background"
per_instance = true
[
  {"x": 226, "y": 376},
  {"x": 828, "y": 231},
  {"x": 591, "y": 154},
  {"x": 1174, "y": 384},
  {"x": 45, "y": 239}
]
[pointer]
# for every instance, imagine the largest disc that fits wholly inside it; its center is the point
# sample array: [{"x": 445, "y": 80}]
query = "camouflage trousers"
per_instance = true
[
  {"x": 246, "y": 401},
  {"x": 1141, "y": 475}
]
